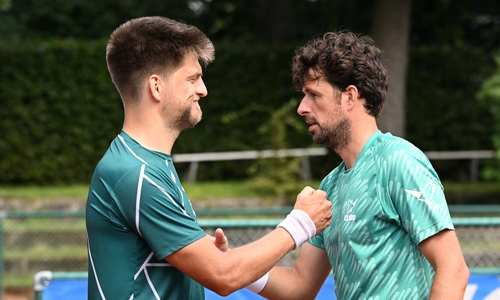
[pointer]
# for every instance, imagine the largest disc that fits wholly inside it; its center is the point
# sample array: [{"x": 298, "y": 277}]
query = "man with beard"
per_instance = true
[
  {"x": 144, "y": 241},
  {"x": 391, "y": 235}
]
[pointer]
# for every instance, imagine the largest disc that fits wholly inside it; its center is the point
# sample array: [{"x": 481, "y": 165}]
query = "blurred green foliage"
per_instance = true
[
  {"x": 279, "y": 177},
  {"x": 489, "y": 96},
  {"x": 443, "y": 113},
  {"x": 60, "y": 109}
]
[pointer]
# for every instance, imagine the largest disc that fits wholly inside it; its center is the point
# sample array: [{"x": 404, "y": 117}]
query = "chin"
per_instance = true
[
  {"x": 195, "y": 122},
  {"x": 198, "y": 119}
]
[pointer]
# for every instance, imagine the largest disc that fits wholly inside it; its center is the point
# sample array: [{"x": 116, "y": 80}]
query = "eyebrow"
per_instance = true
[
  {"x": 196, "y": 75},
  {"x": 306, "y": 89}
]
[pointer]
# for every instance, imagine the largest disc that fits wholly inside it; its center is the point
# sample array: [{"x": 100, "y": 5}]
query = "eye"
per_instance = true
[{"x": 194, "y": 79}]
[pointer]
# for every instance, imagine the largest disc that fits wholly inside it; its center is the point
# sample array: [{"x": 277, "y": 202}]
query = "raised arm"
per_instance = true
[{"x": 226, "y": 272}]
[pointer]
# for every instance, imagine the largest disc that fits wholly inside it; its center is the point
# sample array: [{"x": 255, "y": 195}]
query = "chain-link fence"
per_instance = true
[{"x": 56, "y": 241}]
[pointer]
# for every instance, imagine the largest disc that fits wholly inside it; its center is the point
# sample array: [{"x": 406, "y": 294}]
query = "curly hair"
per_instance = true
[
  {"x": 344, "y": 58},
  {"x": 148, "y": 45}
]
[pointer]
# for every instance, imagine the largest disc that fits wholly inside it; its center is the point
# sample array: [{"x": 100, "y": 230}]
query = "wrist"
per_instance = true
[{"x": 300, "y": 226}]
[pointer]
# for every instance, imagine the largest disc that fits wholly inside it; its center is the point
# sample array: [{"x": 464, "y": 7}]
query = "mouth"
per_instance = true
[
  {"x": 312, "y": 127},
  {"x": 312, "y": 123}
]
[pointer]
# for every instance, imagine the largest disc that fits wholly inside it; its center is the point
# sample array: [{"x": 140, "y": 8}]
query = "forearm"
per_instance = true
[
  {"x": 246, "y": 264},
  {"x": 303, "y": 280},
  {"x": 450, "y": 285},
  {"x": 284, "y": 283},
  {"x": 226, "y": 272}
]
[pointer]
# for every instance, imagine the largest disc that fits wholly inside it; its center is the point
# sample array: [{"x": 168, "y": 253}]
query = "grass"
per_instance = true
[
  {"x": 44, "y": 251},
  {"x": 44, "y": 224},
  {"x": 219, "y": 190},
  {"x": 200, "y": 191},
  {"x": 18, "y": 281},
  {"x": 197, "y": 191},
  {"x": 469, "y": 187},
  {"x": 32, "y": 192}
]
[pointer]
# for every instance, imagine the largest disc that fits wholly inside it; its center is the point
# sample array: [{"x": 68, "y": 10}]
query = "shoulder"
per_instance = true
[
  {"x": 126, "y": 161},
  {"x": 330, "y": 180},
  {"x": 117, "y": 162},
  {"x": 389, "y": 148}
]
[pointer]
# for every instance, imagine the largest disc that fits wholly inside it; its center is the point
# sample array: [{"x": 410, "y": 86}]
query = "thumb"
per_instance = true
[{"x": 220, "y": 238}]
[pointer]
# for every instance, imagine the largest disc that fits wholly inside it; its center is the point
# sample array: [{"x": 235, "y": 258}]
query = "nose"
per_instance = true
[
  {"x": 201, "y": 89},
  {"x": 303, "y": 108}
]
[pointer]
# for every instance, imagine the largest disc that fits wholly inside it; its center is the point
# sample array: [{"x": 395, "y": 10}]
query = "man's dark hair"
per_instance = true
[
  {"x": 344, "y": 58},
  {"x": 152, "y": 45}
]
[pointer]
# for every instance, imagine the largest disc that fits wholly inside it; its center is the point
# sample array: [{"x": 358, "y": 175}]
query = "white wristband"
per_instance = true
[
  {"x": 259, "y": 285},
  {"x": 300, "y": 226}
]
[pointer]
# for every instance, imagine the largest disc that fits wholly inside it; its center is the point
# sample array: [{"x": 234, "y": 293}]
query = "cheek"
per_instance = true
[{"x": 329, "y": 117}]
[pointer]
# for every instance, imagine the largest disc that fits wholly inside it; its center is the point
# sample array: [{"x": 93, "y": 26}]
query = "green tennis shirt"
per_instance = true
[
  {"x": 137, "y": 214},
  {"x": 383, "y": 207}
]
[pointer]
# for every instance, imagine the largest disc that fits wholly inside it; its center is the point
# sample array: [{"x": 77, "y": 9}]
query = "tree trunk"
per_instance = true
[{"x": 391, "y": 32}]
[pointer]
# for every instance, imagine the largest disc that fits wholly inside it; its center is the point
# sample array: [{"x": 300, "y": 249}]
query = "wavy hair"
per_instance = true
[{"x": 344, "y": 58}]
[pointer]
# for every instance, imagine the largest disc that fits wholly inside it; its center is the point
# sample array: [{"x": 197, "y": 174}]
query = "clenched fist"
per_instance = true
[{"x": 314, "y": 203}]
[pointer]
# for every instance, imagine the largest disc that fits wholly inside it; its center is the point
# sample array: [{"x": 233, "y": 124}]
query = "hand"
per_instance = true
[
  {"x": 220, "y": 240},
  {"x": 315, "y": 204}
]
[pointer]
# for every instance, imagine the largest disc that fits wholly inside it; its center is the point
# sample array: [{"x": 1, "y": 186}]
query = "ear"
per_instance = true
[
  {"x": 155, "y": 86},
  {"x": 352, "y": 94}
]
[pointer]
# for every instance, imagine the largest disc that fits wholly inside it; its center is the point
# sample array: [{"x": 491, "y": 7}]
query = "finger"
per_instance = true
[
  {"x": 220, "y": 237},
  {"x": 308, "y": 190},
  {"x": 321, "y": 193}
]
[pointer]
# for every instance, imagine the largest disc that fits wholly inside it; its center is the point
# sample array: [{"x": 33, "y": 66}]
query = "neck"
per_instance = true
[
  {"x": 360, "y": 134},
  {"x": 149, "y": 131}
]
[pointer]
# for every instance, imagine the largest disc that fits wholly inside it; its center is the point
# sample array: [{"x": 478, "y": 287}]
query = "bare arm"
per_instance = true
[
  {"x": 302, "y": 281},
  {"x": 444, "y": 253},
  {"x": 226, "y": 272},
  {"x": 220, "y": 240}
]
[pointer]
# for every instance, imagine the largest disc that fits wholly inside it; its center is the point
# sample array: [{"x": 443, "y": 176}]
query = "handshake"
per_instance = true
[{"x": 310, "y": 215}]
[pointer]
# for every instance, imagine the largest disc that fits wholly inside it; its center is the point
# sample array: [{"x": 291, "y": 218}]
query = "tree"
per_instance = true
[
  {"x": 489, "y": 96},
  {"x": 391, "y": 31},
  {"x": 4, "y": 4}
]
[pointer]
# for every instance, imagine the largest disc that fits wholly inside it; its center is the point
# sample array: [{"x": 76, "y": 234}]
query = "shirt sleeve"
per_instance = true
[
  {"x": 416, "y": 198},
  {"x": 150, "y": 204}
]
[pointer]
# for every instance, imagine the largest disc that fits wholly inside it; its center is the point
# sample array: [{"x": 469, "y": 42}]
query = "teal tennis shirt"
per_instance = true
[
  {"x": 137, "y": 214},
  {"x": 383, "y": 207}
]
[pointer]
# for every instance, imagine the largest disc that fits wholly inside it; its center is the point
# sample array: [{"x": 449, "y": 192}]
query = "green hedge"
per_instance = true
[{"x": 60, "y": 109}]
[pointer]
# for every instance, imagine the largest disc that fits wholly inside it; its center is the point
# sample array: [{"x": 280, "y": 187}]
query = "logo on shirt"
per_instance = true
[
  {"x": 429, "y": 190},
  {"x": 349, "y": 217}
]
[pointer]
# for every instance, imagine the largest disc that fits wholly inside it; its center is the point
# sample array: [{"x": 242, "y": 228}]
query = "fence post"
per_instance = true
[
  {"x": 306, "y": 169},
  {"x": 193, "y": 170},
  {"x": 474, "y": 167}
]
